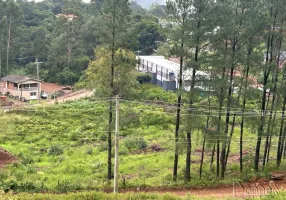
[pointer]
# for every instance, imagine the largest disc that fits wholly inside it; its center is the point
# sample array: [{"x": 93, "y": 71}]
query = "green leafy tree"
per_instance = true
[
  {"x": 98, "y": 77},
  {"x": 148, "y": 35}
]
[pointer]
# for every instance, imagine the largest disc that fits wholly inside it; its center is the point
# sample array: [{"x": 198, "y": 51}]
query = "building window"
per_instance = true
[
  {"x": 34, "y": 85},
  {"x": 33, "y": 94}
]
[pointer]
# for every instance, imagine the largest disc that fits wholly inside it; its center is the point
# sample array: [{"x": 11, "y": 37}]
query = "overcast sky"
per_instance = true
[
  {"x": 144, "y": 3},
  {"x": 147, "y": 3}
]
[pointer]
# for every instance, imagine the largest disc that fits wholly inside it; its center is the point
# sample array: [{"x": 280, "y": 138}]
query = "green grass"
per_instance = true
[
  {"x": 123, "y": 196},
  {"x": 91, "y": 196},
  {"x": 63, "y": 148}
]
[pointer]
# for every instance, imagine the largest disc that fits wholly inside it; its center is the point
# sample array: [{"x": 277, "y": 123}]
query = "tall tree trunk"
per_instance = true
[
  {"x": 112, "y": 94},
  {"x": 178, "y": 118},
  {"x": 227, "y": 118},
  {"x": 1, "y": 42},
  {"x": 243, "y": 108},
  {"x": 241, "y": 145},
  {"x": 283, "y": 148},
  {"x": 234, "y": 117},
  {"x": 220, "y": 112},
  {"x": 1, "y": 51},
  {"x": 8, "y": 43},
  {"x": 269, "y": 59},
  {"x": 263, "y": 100},
  {"x": 188, "y": 158},
  {"x": 189, "y": 135},
  {"x": 193, "y": 81},
  {"x": 212, "y": 156},
  {"x": 205, "y": 134},
  {"x": 203, "y": 147},
  {"x": 281, "y": 135},
  {"x": 229, "y": 141},
  {"x": 217, "y": 158},
  {"x": 109, "y": 141},
  {"x": 268, "y": 151},
  {"x": 69, "y": 54},
  {"x": 269, "y": 126}
]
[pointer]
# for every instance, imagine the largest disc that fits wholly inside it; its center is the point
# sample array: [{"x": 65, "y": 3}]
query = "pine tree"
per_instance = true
[
  {"x": 3, "y": 25},
  {"x": 201, "y": 24},
  {"x": 275, "y": 12},
  {"x": 179, "y": 11},
  {"x": 112, "y": 31},
  {"x": 13, "y": 14}
]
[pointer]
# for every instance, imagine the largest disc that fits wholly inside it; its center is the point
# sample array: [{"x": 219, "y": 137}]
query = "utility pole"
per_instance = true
[
  {"x": 116, "y": 162},
  {"x": 138, "y": 52},
  {"x": 38, "y": 78}
]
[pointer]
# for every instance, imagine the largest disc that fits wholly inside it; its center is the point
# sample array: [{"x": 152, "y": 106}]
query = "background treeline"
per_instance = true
[{"x": 30, "y": 31}]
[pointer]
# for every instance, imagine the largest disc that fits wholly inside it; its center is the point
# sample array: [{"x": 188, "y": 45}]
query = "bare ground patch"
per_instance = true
[{"x": 6, "y": 158}]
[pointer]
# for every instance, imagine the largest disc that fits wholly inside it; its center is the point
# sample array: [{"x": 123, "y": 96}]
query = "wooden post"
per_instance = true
[
  {"x": 161, "y": 76},
  {"x": 38, "y": 79}
]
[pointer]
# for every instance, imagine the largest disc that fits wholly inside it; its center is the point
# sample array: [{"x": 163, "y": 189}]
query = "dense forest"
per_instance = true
[{"x": 62, "y": 34}]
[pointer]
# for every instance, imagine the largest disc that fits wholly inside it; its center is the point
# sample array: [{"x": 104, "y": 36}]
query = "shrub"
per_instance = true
[
  {"x": 135, "y": 143},
  {"x": 89, "y": 150},
  {"x": 144, "y": 78},
  {"x": 56, "y": 150},
  {"x": 102, "y": 146},
  {"x": 123, "y": 150},
  {"x": 65, "y": 186},
  {"x": 57, "y": 94},
  {"x": 27, "y": 160}
]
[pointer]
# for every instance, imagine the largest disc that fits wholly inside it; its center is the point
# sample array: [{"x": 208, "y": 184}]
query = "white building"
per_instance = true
[{"x": 166, "y": 73}]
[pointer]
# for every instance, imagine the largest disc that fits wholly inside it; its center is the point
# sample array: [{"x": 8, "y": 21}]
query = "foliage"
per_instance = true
[
  {"x": 155, "y": 93},
  {"x": 98, "y": 74},
  {"x": 144, "y": 78},
  {"x": 149, "y": 34},
  {"x": 135, "y": 143},
  {"x": 55, "y": 150}
]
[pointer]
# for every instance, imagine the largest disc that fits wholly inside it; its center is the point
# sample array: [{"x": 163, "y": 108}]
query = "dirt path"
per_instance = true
[
  {"x": 73, "y": 96},
  {"x": 245, "y": 190}
]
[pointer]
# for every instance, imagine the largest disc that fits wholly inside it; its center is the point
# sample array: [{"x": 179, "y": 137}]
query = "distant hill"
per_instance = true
[{"x": 147, "y": 3}]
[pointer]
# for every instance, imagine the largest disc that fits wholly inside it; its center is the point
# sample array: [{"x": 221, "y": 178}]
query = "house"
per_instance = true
[
  {"x": 69, "y": 17},
  {"x": 20, "y": 87},
  {"x": 165, "y": 73}
]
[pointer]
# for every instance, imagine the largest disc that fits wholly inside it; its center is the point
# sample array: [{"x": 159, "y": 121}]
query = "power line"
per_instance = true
[
  {"x": 199, "y": 107},
  {"x": 174, "y": 103}
]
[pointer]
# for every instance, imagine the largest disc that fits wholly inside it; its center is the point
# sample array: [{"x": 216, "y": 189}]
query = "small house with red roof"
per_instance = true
[{"x": 20, "y": 87}]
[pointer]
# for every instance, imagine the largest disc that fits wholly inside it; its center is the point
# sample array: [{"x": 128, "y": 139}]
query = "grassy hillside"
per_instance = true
[{"x": 63, "y": 147}]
